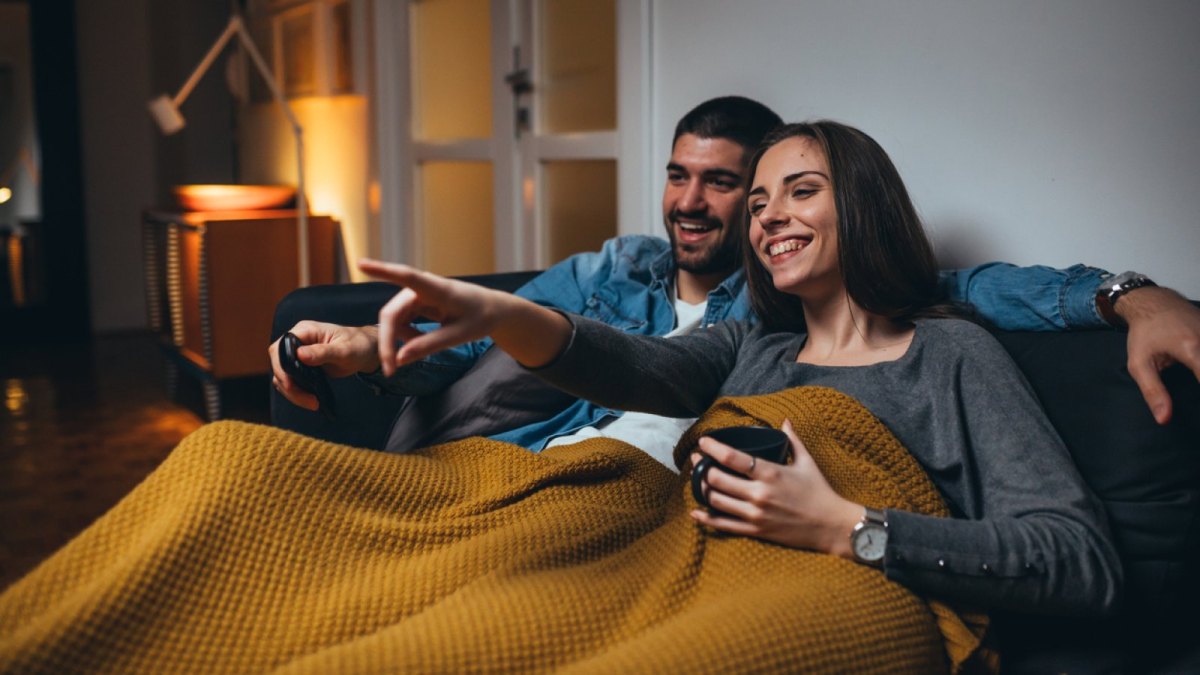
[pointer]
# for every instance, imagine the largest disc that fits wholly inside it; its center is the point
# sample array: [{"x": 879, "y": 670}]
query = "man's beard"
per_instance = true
[{"x": 707, "y": 258}]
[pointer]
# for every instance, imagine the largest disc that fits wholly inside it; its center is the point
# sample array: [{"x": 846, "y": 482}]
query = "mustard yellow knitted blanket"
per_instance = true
[{"x": 253, "y": 549}]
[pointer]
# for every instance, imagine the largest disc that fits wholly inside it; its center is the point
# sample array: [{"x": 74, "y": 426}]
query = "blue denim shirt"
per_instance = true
[{"x": 629, "y": 284}]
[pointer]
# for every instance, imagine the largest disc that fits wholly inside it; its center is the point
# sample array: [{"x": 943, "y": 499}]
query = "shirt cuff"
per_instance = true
[{"x": 1077, "y": 298}]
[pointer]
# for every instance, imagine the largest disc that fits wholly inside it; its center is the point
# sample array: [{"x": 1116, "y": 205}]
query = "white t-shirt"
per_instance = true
[{"x": 654, "y": 434}]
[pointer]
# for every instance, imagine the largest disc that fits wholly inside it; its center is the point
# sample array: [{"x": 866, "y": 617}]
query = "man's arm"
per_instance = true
[
  {"x": 1164, "y": 328},
  {"x": 1035, "y": 298}
]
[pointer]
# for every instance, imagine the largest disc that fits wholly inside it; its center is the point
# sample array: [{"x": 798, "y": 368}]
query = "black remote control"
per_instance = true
[{"x": 309, "y": 379}]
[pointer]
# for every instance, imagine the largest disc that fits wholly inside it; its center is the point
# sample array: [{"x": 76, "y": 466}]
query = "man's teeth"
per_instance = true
[
  {"x": 785, "y": 246},
  {"x": 694, "y": 227}
]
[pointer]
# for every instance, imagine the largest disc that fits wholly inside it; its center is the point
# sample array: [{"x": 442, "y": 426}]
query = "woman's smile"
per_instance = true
[
  {"x": 781, "y": 249},
  {"x": 793, "y": 218}
]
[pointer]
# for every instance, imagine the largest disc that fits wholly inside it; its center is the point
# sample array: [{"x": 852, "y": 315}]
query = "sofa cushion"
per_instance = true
[{"x": 1148, "y": 477}]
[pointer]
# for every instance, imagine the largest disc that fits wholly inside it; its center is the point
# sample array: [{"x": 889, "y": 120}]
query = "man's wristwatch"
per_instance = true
[
  {"x": 1112, "y": 288},
  {"x": 869, "y": 538}
]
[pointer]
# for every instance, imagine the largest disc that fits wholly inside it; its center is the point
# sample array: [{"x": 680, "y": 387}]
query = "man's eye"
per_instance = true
[
  {"x": 676, "y": 177},
  {"x": 722, "y": 183}
]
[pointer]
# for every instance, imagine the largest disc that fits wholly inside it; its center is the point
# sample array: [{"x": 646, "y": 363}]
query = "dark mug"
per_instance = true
[{"x": 762, "y": 442}]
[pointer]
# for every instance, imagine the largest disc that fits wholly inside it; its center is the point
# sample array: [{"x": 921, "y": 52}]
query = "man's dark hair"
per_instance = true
[
  {"x": 886, "y": 260},
  {"x": 736, "y": 118}
]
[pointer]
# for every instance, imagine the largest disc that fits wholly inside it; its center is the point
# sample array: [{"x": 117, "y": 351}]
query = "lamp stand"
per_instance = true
[{"x": 166, "y": 112}]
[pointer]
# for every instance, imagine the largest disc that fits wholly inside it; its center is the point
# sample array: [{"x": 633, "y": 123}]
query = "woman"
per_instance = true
[{"x": 844, "y": 280}]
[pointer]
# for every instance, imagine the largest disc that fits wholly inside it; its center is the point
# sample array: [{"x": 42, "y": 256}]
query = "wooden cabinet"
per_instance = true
[{"x": 213, "y": 279}]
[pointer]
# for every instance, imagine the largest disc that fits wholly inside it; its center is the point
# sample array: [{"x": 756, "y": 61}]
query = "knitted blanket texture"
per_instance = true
[{"x": 252, "y": 549}]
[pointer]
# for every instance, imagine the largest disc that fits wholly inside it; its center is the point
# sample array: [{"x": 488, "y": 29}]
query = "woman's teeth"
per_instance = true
[{"x": 785, "y": 246}]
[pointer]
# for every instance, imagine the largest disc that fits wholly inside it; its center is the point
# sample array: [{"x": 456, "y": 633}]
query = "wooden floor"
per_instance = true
[{"x": 81, "y": 425}]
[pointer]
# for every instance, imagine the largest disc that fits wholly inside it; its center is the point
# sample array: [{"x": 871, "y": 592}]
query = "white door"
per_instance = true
[{"x": 505, "y": 156}]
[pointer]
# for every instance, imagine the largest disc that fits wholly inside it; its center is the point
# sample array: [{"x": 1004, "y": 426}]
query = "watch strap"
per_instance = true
[{"x": 1112, "y": 288}]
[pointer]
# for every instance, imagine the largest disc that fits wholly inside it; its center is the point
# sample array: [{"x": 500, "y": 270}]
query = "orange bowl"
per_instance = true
[{"x": 232, "y": 197}]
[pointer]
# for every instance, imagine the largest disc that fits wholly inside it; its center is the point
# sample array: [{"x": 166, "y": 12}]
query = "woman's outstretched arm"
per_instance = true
[{"x": 530, "y": 333}]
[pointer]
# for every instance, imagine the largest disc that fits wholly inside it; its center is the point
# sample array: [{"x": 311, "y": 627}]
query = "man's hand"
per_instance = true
[
  {"x": 1164, "y": 329},
  {"x": 339, "y": 350}
]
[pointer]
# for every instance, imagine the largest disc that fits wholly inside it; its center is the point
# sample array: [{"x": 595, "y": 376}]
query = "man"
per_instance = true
[{"x": 650, "y": 286}]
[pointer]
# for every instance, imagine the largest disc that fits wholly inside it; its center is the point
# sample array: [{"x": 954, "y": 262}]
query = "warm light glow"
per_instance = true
[
  {"x": 15, "y": 397},
  {"x": 5, "y": 194},
  {"x": 16, "y": 270},
  {"x": 232, "y": 197},
  {"x": 374, "y": 197},
  {"x": 527, "y": 194},
  {"x": 335, "y": 160}
]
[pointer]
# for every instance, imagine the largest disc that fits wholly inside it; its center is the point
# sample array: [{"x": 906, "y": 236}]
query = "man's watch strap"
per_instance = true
[{"x": 1112, "y": 288}]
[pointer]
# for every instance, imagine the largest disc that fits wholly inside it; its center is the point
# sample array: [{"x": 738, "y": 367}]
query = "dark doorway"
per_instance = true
[{"x": 44, "y": 292}]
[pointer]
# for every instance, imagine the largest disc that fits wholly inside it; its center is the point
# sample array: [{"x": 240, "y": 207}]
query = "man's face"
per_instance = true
[{"x": 703, "y": 203}]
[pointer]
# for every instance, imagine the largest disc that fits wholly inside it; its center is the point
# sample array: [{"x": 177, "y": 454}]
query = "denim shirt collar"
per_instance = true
[
  {"x": 726, "y": 301},
  {"x": 662, "y": 268}
]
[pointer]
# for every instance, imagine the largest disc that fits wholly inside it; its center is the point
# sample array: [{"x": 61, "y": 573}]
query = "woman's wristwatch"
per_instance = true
[
  {"x": 1112, "y": 288},
  {"x": 869, "y": 538}
]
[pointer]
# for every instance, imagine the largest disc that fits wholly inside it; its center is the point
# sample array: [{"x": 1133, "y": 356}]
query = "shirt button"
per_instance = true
[
  {"x": 1029, "y": 568},
  {"x": 985, "y": 568},
  {"x": 941, "y": 564}
]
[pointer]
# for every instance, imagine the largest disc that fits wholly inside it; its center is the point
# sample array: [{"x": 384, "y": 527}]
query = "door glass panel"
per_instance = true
[
  {"x": 580, "y": 198},
  {"x": 457, "y": 232},
  {"x": 299, "y": 65},
  {"x": 578, "y": 81},
  {"x": 452, "y": 96},
  {"x": 343, "y": 54}
]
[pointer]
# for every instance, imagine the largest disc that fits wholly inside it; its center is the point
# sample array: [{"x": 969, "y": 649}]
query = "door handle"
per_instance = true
[{"x": 519, "y": 82}]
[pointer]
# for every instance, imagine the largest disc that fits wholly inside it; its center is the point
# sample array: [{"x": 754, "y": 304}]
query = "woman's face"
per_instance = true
[{"x": 793, "y": 219}]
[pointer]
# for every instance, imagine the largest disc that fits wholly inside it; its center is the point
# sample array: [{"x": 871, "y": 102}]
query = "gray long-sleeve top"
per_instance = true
[{"x": 1027, "y": 534}]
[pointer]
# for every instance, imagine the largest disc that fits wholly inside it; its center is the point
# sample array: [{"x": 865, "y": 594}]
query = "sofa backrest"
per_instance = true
[{"x": 1147, "y": 475}]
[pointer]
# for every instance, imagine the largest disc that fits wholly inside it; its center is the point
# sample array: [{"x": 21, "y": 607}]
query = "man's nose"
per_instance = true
[{"x": 693, "y": 197}]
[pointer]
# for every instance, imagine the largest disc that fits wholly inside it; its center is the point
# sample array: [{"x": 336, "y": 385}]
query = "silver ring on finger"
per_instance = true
[{"x": 753, "y": 463}]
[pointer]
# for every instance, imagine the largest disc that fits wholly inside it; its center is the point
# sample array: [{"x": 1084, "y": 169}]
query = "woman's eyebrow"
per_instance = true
[
  {"x": 788, "y": 179},
  {"x": 796, "y": 176}
]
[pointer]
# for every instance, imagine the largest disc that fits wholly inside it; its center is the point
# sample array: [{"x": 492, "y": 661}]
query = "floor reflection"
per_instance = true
[{"x": 81, "y": 425}]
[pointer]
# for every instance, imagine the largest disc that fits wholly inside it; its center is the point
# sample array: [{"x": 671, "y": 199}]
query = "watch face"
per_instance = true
[{"x": 870, "y": 542}]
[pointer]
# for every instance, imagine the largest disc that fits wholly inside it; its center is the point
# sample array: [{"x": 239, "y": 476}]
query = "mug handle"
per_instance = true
[{"x": 698, "y": 473}]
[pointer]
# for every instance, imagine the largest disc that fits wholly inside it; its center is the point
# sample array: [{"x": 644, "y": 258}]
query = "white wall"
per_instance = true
[
  {"x": 1033, "y": 131},
  {"x": 118, "y": 155}
]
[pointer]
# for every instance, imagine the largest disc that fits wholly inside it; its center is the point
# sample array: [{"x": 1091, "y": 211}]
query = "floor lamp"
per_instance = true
[{"x": 165, "y": 111}]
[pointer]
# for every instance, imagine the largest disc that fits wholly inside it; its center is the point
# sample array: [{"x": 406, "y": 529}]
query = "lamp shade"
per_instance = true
[{"x": 166, "y": 114}]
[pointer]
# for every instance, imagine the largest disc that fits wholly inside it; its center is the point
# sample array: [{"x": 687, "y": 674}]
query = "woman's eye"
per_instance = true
[
  {"x": 801, "y": 193},
  {"x": 755, "y": 207}
]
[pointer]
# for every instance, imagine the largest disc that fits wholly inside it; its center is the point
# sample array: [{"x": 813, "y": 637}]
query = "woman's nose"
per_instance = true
[{"x": 771, "y": 215}]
